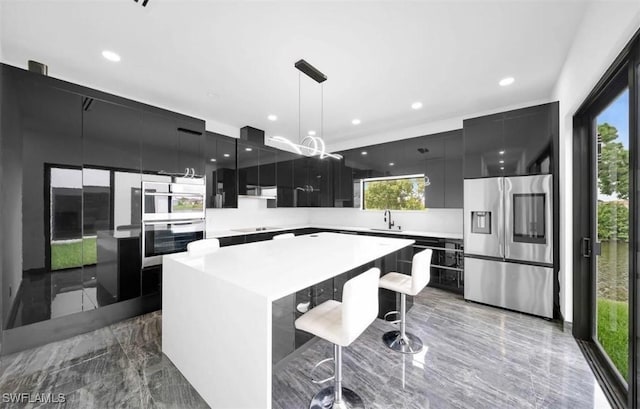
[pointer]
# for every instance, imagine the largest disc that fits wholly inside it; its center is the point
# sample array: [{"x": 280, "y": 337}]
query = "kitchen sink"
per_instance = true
[
  {"x": 387, "y": 230},
  {"x": 252, "y": 229}
]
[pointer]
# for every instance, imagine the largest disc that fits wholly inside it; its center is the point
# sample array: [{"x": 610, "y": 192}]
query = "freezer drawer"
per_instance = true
[{"x": 514, "y": 286}]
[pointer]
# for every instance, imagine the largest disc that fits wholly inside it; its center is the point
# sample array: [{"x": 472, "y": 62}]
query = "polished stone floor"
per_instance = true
[
  {"x": 475, "y": 357},
  {"x": 120, "y": 366}
]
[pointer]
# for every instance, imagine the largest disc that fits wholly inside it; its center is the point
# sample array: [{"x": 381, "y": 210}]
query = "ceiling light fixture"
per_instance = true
[
  {"x": 356, "y": 121},
  {"x": 506, "y": 81},
  {"x": 272, "y": 117},
  {"x": 501, "y": 152},
  {"x": 500, "y": 161},
  {"x": 363, "y": 152},
  {"x": 310, "y": 145},
  {"x": 416, "y": 105},
  {"x": 111, "y": 56},
  {"x": 501, "y": 167},
  {"x": 248, "y": 149},
  {"x": 212, "y": 160},
  {"x": 226, "y": 155},
  {"x": 391, "y": 164}
]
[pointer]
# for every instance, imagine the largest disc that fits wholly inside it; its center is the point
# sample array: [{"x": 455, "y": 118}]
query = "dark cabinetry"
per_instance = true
[
  {"x": 439, "y": 157},
  {"x": 313, "y": 182},
  {"x": 256, "y": 170},
  {"x": 221, "y": 171},
  {"x": 171, "y": 145},
  {"x": 512, "y": 143}
]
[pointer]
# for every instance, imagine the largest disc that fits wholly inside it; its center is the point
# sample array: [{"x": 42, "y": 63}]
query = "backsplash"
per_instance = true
[
  {"x": 432, "y": 220},
  {"x": 254, "y": 213}
]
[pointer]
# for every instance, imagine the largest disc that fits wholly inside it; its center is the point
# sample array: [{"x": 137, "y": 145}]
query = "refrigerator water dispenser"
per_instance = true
[{"x": 481, "y": 222}]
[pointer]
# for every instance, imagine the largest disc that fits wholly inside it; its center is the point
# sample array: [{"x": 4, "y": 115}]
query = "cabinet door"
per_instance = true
[
  {"x": 110, "y": 134},
  {"x": 267, "y": 172},
  {"x": 453, "y": 180},
  {"x": 220, "y": 171},
  {"x": 284, "y": 175},
  {"x": 159, "y": 145},
  {"x": 300, "y": 183},
  {"x": 527, "y": 141},
  {"x": 45, "y": 174},
  {"x": 434, "y": 173},
  {"x": 248, "y": 169},
  {"x": 483, "y": 142},
  {"x": 190, "y": 146}
]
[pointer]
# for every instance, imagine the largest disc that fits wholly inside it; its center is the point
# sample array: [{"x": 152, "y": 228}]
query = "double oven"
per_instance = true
[{"x": 173, "y": 215}]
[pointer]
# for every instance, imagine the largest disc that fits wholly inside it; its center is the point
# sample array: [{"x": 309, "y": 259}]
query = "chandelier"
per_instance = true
[{"x": 310, "y": 145}]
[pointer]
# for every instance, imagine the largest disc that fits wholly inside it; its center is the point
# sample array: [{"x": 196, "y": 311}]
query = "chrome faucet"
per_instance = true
[{"x": 390, "y": 223}]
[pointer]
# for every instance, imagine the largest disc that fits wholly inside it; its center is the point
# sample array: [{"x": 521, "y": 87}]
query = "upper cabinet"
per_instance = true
[
  {"x": 257, "y": 166},
  {"x": 512, "y": 143},
  {"x": 221, "y": 171},
  {"x": 437, "y": 158}
]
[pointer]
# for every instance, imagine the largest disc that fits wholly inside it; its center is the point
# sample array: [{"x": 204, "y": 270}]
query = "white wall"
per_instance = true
[
  {"x": 254, "y": 213},
  {"x": 604, "y": 31}
]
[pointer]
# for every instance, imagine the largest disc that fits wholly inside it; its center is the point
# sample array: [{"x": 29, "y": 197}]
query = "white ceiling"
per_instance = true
[{"x": 231, "y": 62}]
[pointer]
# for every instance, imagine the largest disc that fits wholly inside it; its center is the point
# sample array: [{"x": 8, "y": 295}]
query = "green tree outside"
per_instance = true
[
  {"x": 395, "y": 194},
  {"x": 613, "y": 221},
  {"x": 613, "y": 166}
]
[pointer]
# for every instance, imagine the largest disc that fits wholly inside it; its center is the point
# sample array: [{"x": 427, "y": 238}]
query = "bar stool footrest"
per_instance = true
[
  {"x": 391, "y": 321},
  {"x": 313, "y": 370},
  {"x": 324, "y": 400}
]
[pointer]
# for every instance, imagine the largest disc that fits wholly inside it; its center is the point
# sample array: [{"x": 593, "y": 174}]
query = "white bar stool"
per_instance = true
[
  {"x": 341, "y": 323},
  {"x": 202, "y": 247},
  {"x": 403, "y": 341},
  {"x": 283, "y": 236}
]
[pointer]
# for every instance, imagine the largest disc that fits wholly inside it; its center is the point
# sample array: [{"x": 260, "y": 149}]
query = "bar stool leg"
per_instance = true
[
  {"x": 336, "y": 396},
  {"x": 402, "y": 341}
]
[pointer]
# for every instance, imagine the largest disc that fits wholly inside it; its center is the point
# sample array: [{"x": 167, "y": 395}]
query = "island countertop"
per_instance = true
[{"x": 276, "y": 268}]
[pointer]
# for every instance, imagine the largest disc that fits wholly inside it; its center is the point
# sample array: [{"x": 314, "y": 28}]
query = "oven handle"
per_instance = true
[{"x": 195, "y": 221}]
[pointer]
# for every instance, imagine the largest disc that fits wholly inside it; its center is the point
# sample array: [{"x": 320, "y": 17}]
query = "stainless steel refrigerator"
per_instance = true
[{"x": 508, "y": 243}]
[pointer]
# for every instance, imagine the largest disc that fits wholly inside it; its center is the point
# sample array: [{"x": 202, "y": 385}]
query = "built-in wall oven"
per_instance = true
[
  {"x": 508, "y": 243},
  {"x": 173, "y": 215}
]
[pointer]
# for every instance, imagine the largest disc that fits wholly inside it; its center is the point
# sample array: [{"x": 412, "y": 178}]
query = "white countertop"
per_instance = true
[
  {"x": 417, "y": 233},
  {"x": 276, "y": 268}
]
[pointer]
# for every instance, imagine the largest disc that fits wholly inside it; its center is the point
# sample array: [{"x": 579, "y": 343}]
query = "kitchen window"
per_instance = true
[{"x": 394, "y": 193}]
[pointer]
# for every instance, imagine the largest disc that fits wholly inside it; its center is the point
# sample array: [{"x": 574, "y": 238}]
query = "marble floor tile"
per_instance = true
[{"x": 475, "y": 356}]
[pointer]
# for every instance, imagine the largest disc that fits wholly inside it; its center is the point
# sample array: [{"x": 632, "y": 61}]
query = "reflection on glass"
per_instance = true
[{"x": 613, "y": 232}]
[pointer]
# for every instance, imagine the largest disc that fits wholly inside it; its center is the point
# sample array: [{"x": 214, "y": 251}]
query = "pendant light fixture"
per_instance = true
[{"x": 310, "y": 145}]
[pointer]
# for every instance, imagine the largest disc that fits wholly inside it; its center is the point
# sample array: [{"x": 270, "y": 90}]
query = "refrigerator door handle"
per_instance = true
[
  {"x": 501, "y": 211},
  {"x": 506, "y": 214}
]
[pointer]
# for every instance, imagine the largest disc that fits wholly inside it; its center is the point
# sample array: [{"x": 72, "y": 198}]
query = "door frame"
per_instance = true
[{"x": 622, "y": 73}]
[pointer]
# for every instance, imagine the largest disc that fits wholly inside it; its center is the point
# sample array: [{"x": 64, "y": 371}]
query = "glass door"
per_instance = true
[{"x": 611, "y": 251}]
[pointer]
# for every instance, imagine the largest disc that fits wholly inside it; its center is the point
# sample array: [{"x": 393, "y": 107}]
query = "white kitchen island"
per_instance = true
[{"x": 217, "y": 308}]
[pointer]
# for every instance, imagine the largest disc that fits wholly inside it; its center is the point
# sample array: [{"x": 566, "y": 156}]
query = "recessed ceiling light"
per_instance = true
[
  {"x": 312, "y": 133},
  {"x": 391, "y": 163},
  {"x": 272, "y": 117},
  {"x": 416, "y": 105},
  {"x": 500, "y": 161},
  {"x": 248, "y": 149},
  {"x": 363, "y": 152},
  {"x": 501, "y": 152},
  {"x": 501, "y": 167},
  {"x": 506, "y": 81},
  {"x": 226, "y": 155},
  {"x": 356, "y": 121},
  {"x": 111, "y": 56},
  {"x": 212, "y": 159}
]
